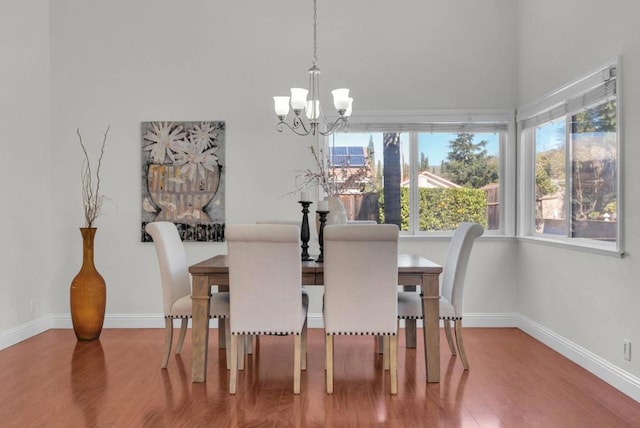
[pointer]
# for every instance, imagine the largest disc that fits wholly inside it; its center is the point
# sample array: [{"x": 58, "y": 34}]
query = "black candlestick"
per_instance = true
[
  {"x": 304, "y": 231},
  {"x": 323, "y": 220}
]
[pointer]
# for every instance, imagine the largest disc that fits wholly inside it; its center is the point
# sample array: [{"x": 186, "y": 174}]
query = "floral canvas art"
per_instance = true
[{"x": 183, "y": 178}]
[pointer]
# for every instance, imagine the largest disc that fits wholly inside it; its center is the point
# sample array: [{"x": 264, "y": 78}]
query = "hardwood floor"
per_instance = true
[{"x": 53, "y": 381}]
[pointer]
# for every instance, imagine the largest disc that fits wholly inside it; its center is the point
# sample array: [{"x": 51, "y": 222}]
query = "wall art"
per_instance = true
[{"x": 183, "y": 178}]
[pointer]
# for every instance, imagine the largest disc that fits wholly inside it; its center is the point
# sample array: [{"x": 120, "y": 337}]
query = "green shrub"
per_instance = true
[{"x": 443, "y": 209}]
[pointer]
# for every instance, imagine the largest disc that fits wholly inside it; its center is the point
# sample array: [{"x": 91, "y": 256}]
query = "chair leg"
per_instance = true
[
  {"x": 168, "y": 339},
  {"x": 463, "y": 355},
  {"x": 380, "y": 344},
  {"x": 303, "y": 363},
  {"x": 183, "y": 333},
  {"x": 447, "y": 330},
  {"x": 233, "y": 374},
  {"x": 393, "y": 369},
  {"x": 297, "y": 360},
  {"x": 328, "y": 340}
]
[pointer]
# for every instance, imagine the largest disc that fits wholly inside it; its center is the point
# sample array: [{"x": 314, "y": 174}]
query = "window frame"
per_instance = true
[
  {"x": 567, "y": 99},
  {"x": 414, "y": 122}
]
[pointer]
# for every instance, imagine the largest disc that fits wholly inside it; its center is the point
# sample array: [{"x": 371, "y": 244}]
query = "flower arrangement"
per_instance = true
[
  {"x": 194, "y": 148},
  {"x": 333, "y": 180},
  {"x": 91, "y": 198}
]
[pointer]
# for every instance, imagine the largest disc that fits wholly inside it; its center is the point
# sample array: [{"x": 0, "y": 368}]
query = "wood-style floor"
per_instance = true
[{"x": 53, "y": 381}]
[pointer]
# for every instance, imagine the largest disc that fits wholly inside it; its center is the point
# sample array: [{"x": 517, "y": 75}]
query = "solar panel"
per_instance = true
[
  {"x": 352, "y": 156},
  {"x": 357, "y": 160},
  {"x": 355, "y": 150},
  {"x": 339, "y": 161}
]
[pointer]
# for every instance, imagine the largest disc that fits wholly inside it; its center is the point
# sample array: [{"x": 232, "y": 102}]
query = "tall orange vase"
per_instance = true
[{"x": 88, "y": 294}]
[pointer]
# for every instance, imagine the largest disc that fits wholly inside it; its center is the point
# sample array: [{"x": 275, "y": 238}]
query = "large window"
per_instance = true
[
  {"x": 427, "y": 172},
  {"x": 570, "y": 144}
]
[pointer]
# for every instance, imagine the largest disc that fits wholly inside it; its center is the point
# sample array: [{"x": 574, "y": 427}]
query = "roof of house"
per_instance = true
[{"x": 431, "y": 180}]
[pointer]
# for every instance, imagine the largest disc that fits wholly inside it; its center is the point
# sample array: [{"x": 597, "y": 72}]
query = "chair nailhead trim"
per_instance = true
[
  {"x": 360, "y": 334},
  {"x": 267, "y": 333},
  {"x": 411, "y": 317},
  {"x": 177, "y": 317}
]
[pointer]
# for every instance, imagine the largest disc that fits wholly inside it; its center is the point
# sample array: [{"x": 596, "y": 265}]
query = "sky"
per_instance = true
[
  {"x": 550, "y": 136},
  {"x": 434, "y": 145}
]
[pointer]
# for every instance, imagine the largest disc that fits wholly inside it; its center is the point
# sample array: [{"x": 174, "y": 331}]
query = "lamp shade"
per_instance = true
[
  {"x": 299, "y": 98},
  {"x": 281, "y": 105},
  {"x": 340, "y": 98},
  {"x": 349, "y": 108}
]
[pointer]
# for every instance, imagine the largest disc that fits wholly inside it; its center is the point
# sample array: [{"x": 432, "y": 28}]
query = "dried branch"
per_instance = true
[
  {"x": 91, "y": 198},
  {"x": 333, "y": 180}
]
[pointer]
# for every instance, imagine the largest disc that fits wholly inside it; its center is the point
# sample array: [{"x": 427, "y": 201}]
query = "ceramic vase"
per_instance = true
[
  {"x": 337, "y": 212},
  {"x": 88, "y": 294}
]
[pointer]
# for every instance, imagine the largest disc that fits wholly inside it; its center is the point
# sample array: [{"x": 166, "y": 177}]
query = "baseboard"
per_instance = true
[
  {"x": 141, "y": 321},
  {"x": 491, "y": 320},
  {"x": 620, "y": 379},
  {"x": 314, "y": 320},
  {"x": 24, "y": 331},
  {"x": 613, "y": 375},
  {"x": 480, "y": 320}
]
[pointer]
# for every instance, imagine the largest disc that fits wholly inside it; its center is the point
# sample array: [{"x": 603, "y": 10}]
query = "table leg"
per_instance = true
[
  {"x": 410, "y": 333},
  {"x": 222, "y": 341},
  {"x": 200, "y": 302},
  {"x": 431, "y": 327},
  {"x": 410, "y": 325}
]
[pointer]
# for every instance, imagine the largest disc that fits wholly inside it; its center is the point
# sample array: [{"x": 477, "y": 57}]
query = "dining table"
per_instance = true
[{"x": 413, "y": 270}]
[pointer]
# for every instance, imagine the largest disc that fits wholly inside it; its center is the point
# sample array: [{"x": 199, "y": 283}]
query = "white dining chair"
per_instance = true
[
  {"x": 265, "y": 272},
  {"x": 360, "y": 280},
  {"x": 305, "y": 293},
  {"x": 452, "y": 288},
  {"x": 176, "y": 286}
]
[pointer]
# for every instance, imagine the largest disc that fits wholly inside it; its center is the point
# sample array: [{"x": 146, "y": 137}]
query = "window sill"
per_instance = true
[
  {"x": 446, "y": 236},
  {"x": 588, "y": 246}
]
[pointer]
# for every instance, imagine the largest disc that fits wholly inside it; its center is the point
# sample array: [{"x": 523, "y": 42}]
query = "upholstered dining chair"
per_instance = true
[
  {"x": 360, "y": 289},
  {"x": 265, "y": 272},
  {"x": 305, "y": 294},
  {"x": 176, "y": 286},
  {"x": 452, "y": 288}
]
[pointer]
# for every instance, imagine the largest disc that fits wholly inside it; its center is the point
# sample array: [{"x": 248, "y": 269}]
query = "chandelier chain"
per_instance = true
[{"x": 315, "y": 33}]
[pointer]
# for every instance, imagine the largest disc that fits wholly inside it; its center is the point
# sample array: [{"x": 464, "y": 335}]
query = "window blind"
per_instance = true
[
  {"x": 449, "y": 121},
  {"x": 596, "y": 88},
  {"x": 457, "y": 128}
]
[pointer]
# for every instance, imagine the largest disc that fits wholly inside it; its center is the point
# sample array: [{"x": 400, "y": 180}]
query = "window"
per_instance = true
[
  {"x": 427, "y": 172},
  {"x": 570, "y": 163}
]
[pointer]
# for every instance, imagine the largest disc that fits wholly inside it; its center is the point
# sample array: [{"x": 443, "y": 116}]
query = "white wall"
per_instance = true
[
  {"x": 25, "y": 163},
  {"x": 123, "y": 62},
  {"x": 588, "y": 299}
]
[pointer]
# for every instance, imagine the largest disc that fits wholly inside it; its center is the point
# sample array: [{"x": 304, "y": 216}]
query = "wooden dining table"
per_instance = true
[{"x": 413, "y": 270}]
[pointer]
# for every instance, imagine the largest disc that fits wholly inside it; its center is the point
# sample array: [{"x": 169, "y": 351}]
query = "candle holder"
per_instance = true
[
  {"x": 323, "y": 219},
  {"x": 304, "y": 231}
]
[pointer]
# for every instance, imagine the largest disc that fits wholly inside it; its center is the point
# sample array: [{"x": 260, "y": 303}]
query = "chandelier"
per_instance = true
[{"x": 313, "y": 121}]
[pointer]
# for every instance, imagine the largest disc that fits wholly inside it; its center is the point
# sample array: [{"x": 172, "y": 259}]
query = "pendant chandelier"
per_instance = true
[{"x": 308, "y": 117}]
